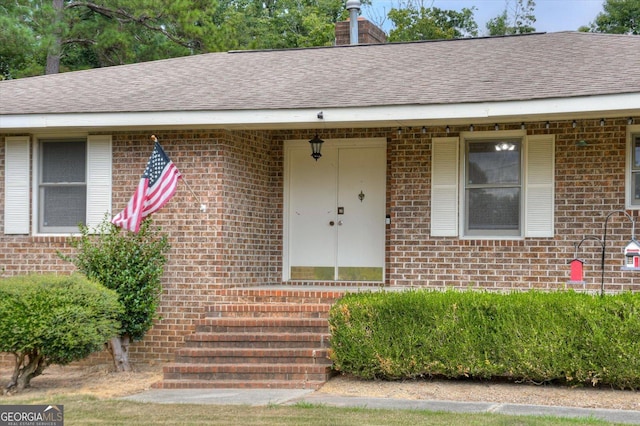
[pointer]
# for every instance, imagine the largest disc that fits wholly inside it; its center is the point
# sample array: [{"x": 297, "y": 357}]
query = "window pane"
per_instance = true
[
  {"x": 636, "y": 154},
  {"x": 493, "y": 209},
  {"x": 636, "y": 186},
  {"x": 64, "y": 205},
  {"x": 495, "y": 162},
  {"x": 63, "y": 161}
]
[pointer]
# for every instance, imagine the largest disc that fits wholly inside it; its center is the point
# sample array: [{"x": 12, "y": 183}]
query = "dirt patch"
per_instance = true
[
  {"x": 102, "y": 382},
  {"x": 511, "y": 393},
  {"x": 99, "y": 381}
]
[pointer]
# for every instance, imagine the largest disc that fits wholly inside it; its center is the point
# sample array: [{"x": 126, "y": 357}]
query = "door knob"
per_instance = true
[{"x": 340, "y": 222}]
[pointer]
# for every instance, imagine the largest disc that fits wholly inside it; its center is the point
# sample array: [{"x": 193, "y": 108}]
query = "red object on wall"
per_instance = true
[{"x": 576, "y": 270}]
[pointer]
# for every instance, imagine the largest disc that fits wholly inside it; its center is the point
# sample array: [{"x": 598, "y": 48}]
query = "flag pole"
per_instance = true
[{"x": 203, "y": 207}]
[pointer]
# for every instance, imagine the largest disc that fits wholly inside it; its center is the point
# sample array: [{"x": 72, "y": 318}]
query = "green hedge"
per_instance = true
[
  {"x": 564, "y": 337},
  {"x": 60, "y": 318}
]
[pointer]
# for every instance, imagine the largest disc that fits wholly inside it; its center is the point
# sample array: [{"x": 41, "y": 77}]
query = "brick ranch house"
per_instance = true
[{"x": 471, "y": 163}]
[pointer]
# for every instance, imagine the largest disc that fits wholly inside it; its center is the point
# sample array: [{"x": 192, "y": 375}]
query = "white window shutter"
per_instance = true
[
  {"x": 444, "y": 187},
  {"x": 16, "y": 185},
  {"x": 98, "y": 179},
  {"x": 540, "y": 187}
]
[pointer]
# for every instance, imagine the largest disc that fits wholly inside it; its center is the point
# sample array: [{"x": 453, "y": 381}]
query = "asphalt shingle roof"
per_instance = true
[{"x": 535, "y": 66}]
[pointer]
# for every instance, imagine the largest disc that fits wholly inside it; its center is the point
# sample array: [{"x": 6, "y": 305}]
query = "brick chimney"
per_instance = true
[{"x": 368, "y": 33}]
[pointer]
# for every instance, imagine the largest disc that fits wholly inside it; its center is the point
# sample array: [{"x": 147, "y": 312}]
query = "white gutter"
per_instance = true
[{"x": 372, "y": 116}]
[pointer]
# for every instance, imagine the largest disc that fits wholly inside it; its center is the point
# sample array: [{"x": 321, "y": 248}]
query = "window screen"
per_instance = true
[
  {"x": 635, "y": 172},
  {"x": 63, "y": 189},
  {"x": 493, "y": 188}
]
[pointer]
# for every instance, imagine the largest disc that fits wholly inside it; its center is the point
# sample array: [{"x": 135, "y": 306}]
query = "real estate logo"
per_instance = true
[{"x": 31, "y": 415}]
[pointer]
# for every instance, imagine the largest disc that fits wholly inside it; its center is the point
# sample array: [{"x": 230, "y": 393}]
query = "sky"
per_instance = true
[{"x": 551, "y": 15}]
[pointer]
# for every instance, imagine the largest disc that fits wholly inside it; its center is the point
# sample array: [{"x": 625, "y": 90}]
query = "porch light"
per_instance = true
[{"x": 316, "y": 145}]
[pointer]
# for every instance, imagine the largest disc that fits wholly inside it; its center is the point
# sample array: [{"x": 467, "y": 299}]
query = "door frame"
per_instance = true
[{"x": 378, "y": 142}]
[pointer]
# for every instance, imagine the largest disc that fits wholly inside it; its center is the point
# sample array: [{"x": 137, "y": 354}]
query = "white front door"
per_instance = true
[{"x": 335, "y": 211}]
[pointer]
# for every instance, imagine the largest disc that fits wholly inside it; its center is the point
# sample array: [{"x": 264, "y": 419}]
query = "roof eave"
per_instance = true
[{"x": 601, "y": 106}]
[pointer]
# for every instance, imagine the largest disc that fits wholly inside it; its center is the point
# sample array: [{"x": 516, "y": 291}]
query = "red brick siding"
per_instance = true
[{"x": 589, "y": 184}]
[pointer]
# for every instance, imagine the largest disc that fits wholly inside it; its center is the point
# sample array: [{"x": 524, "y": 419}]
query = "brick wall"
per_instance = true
[
  {"x": 368, "y": 33},
  {"x": 238, "y": 240},
  {"x": 589, "y": 184}
]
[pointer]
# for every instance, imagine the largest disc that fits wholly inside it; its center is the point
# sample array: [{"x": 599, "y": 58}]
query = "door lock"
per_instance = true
[{"x": 332, "y": 223}]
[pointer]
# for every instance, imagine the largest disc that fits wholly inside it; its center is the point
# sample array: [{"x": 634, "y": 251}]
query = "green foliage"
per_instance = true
[
  {"x": 517, "y": 18},
  {"x": 60, "y": 318},
  {"x": 129, "y": 263},
  {"x": 564, "y": 337},
  {"x": 618, "y": 17},
  {"x": 431, "y": 24},
  {"x": 114, "y": 32}
]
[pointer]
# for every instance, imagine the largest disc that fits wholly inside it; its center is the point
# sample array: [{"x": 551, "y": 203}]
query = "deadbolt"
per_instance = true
[{"x": 332, "y": 223}]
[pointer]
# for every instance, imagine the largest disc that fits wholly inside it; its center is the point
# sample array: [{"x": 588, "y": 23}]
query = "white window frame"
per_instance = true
[
  {"x": 98, "y": 181},
  {"x": 538, "y": 184},
  {"x": 633, "y": 132},
  {"x": 497, "y": 137},
  {"x": 39, "y": 186},
  {"x": 21, "y": 201}
]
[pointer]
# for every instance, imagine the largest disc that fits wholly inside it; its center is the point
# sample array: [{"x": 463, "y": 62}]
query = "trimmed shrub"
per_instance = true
[
  {"x": 53, "y": 319},
  {"x": 564, "y": 337}
]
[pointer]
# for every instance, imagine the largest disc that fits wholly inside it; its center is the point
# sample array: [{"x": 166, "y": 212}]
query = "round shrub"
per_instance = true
[{"x": 54, "y": 319}]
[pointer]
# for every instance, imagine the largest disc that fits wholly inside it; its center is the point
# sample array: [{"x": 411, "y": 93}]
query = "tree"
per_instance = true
[
  {"x": 53, "y": 319},
  {"x": 618, "y": 17},
  {"x": 413, "y": 21},
  {"x": 131, "y": 264},
  {"x": 517, "y": 18},
  {"x": 67, "y": 35},
  {"x": 18, "y": 52}
]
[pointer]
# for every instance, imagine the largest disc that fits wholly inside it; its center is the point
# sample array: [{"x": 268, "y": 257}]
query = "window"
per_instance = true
[
  {"x": 62, "y": 187},
  {"x": 70, "y": 183},
  {"x": 493, "y": 187},
  {"x": 634, "y": 199},
  {"x": 488, "y": 185}
]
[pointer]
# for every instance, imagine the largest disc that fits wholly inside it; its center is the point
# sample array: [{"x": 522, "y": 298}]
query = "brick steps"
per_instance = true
[
  {"x": 257, "y": 338},
  {"x": 256, "y": 341},
  {"x": 262, "y": 325},
  {"x": 272, "y": 310},
  {"x": 240, "y": 384},
  {"x": 255, "y": 355},
  {"x": 247, "y": 372}
]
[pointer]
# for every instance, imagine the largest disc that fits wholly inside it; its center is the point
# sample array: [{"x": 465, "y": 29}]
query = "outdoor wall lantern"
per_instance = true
[
  {"x": 316, "y": 145},
  {"x": 505, "y": 146}
]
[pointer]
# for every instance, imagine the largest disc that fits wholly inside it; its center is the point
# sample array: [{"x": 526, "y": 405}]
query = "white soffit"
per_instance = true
[{"x": 389, "y": 115}]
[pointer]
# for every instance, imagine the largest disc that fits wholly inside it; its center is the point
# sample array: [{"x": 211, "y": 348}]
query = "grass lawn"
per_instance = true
[{"x": 88, "y": 410}]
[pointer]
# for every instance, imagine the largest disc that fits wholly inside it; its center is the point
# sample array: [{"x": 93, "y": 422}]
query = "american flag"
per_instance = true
[{"x": 156, "y": 187}]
